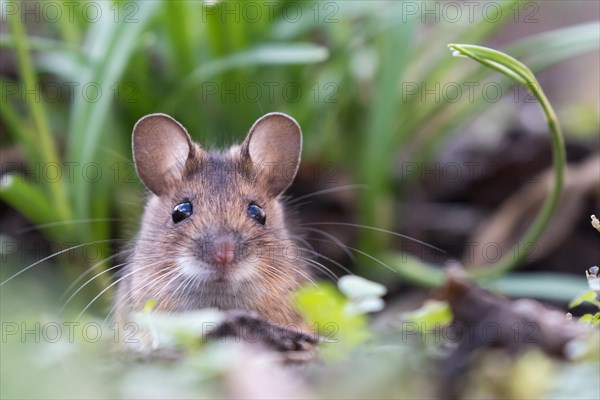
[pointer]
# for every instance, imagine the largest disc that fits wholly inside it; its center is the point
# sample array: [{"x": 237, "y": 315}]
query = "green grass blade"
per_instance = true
[
  {"x": 36, "y": 43},
  {"x": 559, "y": 44},
  {"x": 176, "y": 23},
  {"x": 27, "y": 198},
  {"x": 45, "y": 144},
  {"x": 269, "y": 54},
  {"x": 415, "y": 271},
  {"x": 18, "y": 128},
  {"x": 110, "y": 55},
  {"x": 67, "y": 27},
  {"x": 378, "y": 136},
  {"x": 540, "y": 285}
]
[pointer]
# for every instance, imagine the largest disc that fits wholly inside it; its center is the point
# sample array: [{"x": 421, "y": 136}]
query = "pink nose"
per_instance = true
[{"x": 224, "y": 250}]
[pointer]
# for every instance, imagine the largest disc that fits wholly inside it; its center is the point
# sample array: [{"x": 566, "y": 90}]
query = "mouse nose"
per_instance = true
[{"x": 224, "y": 250}]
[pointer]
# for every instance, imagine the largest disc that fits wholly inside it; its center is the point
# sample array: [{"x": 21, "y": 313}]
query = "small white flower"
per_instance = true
[
  {"x": 355, "y": 287},
  {"x": 595, "y": 222}
]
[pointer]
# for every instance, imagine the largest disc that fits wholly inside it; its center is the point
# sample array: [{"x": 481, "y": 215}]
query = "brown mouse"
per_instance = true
[{"x": 213, "y": 233}]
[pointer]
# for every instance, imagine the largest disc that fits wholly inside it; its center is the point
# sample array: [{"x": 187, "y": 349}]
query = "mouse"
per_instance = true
[{"x": 214, "y": 232}]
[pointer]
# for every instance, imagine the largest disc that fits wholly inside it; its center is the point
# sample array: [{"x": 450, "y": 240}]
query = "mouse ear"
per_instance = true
[
  {"x": 160, "y": 146},
  {"x": 273, "y": 145}
]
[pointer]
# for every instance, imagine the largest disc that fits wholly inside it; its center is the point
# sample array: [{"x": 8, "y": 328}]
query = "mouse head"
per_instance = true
[{"x": 216, "y": 215}]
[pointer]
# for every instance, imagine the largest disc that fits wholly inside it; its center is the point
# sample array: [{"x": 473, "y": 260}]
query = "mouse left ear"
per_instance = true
[
  {"x": 160, "y": 147},
  {"x": 274, "y": 145}
]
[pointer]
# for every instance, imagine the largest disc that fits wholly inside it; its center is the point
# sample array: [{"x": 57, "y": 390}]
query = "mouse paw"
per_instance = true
[{"x": 247, "y": 326}]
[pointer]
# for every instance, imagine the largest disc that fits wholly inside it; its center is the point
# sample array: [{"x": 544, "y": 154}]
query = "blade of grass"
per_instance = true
[
  {"x": 415, "y": 271},
  {"x": 110, "y": 53},
  {"x": 36, "y": 43},
  {"x": 546, "y": 286},
  {"x": 176, "y": 23},
  {"x": 45, "y": 145},
  {"x": 540, "y": 285},
  {"x": 434, "y": 68},
  {"x": 27, "y": 198},
  {"x": 376, "y": 150},
  {"x": 271, "y": 54},
  {"x": 17, "y": 127},
  {"x": 67, "y": 27},
  {"x": 559, "y": 44}
]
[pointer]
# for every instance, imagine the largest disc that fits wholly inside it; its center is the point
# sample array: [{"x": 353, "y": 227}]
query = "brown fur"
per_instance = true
[{"x": 220, "y": 185}]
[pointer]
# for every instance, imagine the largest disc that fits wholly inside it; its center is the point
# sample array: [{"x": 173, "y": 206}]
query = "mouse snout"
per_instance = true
[{"x": 223, "y": 250}]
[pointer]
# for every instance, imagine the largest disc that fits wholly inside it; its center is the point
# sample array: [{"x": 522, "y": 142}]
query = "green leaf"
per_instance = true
[
  {"x": 325, "y": 309},
  {"x": 433, "y": 314},
  {"x": 178, "y": 330},
  {"x": 414, "y": 270},
  {"x": 586, "y": 297},
  {"x": 149, "y": 306},
  {"x": 591, "y": 319},
  {"x": 587, "y": 318}
]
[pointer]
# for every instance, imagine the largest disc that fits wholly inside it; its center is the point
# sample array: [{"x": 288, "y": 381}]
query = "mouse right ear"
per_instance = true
[
  {"x": 160, "y": 147},
  {"x": 274, "y": 145}
]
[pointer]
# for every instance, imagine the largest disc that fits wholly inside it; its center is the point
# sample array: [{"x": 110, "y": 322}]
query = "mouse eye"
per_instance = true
[
  {"x": 182, "y": 211},
  {"x": 257, "y": 213}
]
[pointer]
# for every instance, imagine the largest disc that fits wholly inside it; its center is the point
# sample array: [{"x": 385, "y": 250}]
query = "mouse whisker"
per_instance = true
[
  {"x": 84, "y": 274},
  {"x": 153, "y": 279},
  {"x": 111, "y": 285},
  {"x": 377, "y": 260},
  {"x": 320, "y": 267},
  {"x": 278, "y": 271},
  {"x": 86, "y": 283},
  {"x": 283, "y": 267},
  {"x": 378, "y": 230},
  {"x": 324, "y": 191},
  {"x": 184, "y": 292},
  {"x": 333, "y": 239},
  {"x": 331, "y": 260},
  {"x": 68, "y": 222},
  {"x": 54, "y": 255},
  {"x": 167, "y": 285}
]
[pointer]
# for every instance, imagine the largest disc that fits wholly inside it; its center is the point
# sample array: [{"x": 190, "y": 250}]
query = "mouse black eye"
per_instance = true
[
  {"x": 182, "y": 211},
  {"x": 257, "y": 213}
]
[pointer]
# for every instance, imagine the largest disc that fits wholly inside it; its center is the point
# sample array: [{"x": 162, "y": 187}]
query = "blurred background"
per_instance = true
[{"x": 398, "y": 134}]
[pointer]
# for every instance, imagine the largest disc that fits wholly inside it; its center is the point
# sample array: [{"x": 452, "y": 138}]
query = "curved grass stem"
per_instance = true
[{"x": 516, "y": 70}]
